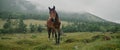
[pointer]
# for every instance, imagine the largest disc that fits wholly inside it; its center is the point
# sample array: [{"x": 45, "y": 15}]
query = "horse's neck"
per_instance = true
[{"x": 57, "y": 17}]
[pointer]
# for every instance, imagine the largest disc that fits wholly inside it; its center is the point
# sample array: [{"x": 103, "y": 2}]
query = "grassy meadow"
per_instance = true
[{"x": 70, "y": 41}]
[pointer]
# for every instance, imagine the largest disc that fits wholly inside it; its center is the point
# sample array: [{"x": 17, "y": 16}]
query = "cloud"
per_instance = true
[{"x": 107, "y": 9}]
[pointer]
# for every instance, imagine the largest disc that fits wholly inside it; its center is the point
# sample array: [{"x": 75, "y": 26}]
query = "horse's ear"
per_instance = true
[
  {"x": 54, "y": 7},
  {"x": 49, "y": 8}
]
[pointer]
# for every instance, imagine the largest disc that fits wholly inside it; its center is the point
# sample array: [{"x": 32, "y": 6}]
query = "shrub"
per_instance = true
[
  {"x": 71, "y": 40},
  {"x": 6, "y": 38},
  {"x": 87, "y": 40},
  {"x": 102, "y": 37},
  {"x": 33, "y": 36}
]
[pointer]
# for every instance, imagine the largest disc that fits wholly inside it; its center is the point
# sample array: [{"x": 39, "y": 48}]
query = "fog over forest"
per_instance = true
[{"x": 106, "y": 9}]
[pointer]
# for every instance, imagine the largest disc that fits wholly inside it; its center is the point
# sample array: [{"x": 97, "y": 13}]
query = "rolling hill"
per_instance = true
[
  {"x": 28, "y": 10},
  {"x": 83, "y": 16}
]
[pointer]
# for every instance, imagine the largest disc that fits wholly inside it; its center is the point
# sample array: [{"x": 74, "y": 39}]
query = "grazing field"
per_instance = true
[{"x": 70, "y": 41}]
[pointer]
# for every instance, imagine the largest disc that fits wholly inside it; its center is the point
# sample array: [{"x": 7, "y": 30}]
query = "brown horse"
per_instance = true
[{"x": 53, "y": 24}]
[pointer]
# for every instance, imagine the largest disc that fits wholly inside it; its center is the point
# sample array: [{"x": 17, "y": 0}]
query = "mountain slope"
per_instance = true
[
  {"x": 17, "y": 6},
  {"x": 81, "y": 17},
  {"x": 28, "y": 10}
]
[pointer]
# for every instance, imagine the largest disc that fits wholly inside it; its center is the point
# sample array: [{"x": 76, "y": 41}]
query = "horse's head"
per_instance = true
[{"x": 52, "y": 13}]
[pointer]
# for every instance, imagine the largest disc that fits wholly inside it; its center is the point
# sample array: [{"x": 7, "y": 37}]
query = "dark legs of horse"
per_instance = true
[
  {"x": 58, "y": 36},
  {"x": 49, "y": 32},
  {"x": 53, "y": 32}
]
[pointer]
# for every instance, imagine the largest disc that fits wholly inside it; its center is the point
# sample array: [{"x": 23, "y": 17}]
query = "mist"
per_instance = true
[{"x": 106, "y": 9}]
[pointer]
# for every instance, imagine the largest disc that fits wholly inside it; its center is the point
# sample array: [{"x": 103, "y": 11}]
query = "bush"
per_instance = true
[
  {"x": 6, "y": 38},
  {"x": 71, "y": 40},
  {"x": 102, "y": 37},
  {"x": 87, "y": 40},
  {"x": 39, "y": 29},
  {"x": 4, "y": 31}
]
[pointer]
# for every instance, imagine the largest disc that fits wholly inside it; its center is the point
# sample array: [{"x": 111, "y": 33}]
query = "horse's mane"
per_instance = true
[{"x": 57, "y": 15}]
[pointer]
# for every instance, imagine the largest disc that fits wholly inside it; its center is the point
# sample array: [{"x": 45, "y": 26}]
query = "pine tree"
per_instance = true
[
  {"x": 21, "y": 26},
  {"x": 32, "y": 28},
  {"x": 7, "y": 26},
  {"x": 39, "y": 29}
]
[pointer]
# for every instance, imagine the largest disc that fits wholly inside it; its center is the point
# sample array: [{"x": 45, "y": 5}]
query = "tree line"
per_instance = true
[
  {"x": 91, "y": 27},
  {"x": 18, "y": 26},
  {"x": 79, "y": 24}
]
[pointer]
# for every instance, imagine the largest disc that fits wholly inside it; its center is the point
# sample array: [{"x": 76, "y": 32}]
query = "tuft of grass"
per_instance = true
[
  {"x": 103, "y": 45},
  {"x": 116, "y": 36},
  {"x": 70, "y": 40},
  {"x": 43, "y": 47},
  {"x": 87, "y": 40},
  {"x": 27, "y": 42},
  {"x": 4, "y": 38},
  {"x": 101, "y": 37},
  {"x": 9, "y": 47},
  {"x": 33, "y": 36}
]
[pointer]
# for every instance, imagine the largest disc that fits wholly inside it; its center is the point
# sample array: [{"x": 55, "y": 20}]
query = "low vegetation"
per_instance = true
[{"x": 72, "y": 41}]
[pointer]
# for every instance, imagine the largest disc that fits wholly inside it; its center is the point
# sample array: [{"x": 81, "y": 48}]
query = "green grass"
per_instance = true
[{"x": 72, "y": 41}]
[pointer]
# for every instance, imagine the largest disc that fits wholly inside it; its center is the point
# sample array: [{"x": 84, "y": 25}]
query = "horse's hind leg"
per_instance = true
[{"x": 49, "y": 32}]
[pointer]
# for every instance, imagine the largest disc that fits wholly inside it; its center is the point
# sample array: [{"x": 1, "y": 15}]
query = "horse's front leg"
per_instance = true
[
  {"x": 53, "y": 32},
  {"x": 55, "y": 37},
  {"x": 58, "y": 36},
  {"x": 49, "y": 32}
]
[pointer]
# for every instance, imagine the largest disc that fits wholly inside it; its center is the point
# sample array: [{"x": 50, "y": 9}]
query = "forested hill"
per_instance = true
[
  {"x": 80, "y": 17},
  {"x": 23, "y": 6},
  {"x": 26, "y": 10}
]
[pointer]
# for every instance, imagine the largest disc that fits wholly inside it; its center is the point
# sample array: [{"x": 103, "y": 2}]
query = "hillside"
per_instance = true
[
  {"x": 81, "y": 17},
  {"x": 17, "y": 6},
  {"x": 25, "y": 9}
]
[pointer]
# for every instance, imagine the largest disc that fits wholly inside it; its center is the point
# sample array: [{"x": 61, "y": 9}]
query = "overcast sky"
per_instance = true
[{"x": 106, "y": 9}]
